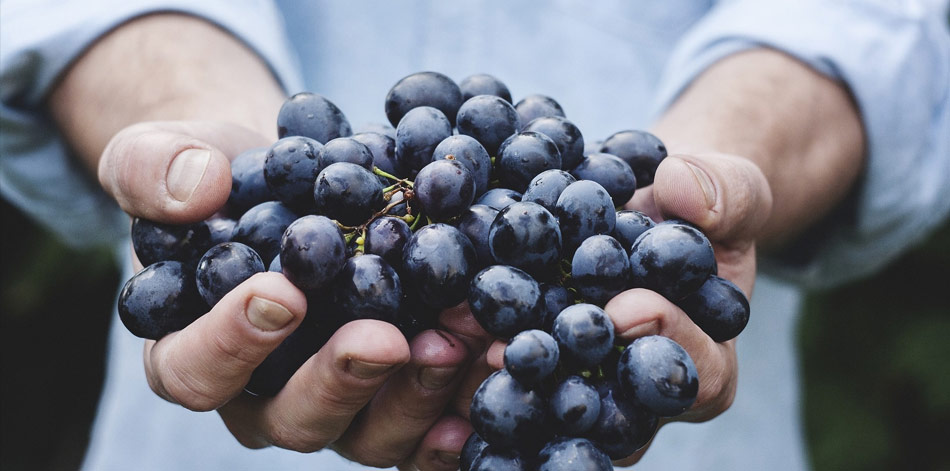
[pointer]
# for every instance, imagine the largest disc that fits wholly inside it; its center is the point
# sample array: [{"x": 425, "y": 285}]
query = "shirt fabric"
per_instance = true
[{"x": 611, "y": 65}]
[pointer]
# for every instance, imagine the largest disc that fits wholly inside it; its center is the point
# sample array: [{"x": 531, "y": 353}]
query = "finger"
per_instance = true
[
  {"x": 206, "y": 364},
  {"x": 473, "y": 378},
  {"x": 173, "y": 172},
  {"x": 495, "y": 355},
  {"x": 322, "y": 398},
  {"x": 441, "y": 447},
  {"x": 401, "y": 413},
  {"x": 461, "y": 323},
  {"x": 640, "y": 312}
]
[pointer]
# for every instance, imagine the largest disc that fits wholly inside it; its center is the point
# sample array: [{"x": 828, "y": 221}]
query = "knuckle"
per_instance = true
[
  {"x": 190, "y": 392},
  {"x": 299, "y": 439},
  {"x": 233, "y": 354}
]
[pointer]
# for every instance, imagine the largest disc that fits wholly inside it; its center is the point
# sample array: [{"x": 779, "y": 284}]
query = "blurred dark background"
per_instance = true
[{"x": 874, "y": 353}]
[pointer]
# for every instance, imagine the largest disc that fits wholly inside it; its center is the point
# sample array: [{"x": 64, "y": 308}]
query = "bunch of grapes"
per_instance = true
[{"x": 468, "y": 198}]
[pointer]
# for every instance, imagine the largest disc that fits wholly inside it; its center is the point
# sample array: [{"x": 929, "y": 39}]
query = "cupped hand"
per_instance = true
[{"x": 368, "y": 394}]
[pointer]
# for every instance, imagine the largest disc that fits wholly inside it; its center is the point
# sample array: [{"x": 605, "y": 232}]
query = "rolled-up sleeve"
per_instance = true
[
  {"x": 895, "y": 59},
  {"x": 39, "y": 40}
]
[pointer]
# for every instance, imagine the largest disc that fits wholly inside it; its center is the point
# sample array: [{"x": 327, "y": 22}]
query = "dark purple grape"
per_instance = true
[
  {"x": 524, "y": 155},
  {"x": 555, "y": 299},
  {"x": 658, "y": 374},
  {"x": 641, "y": 150},
  {"x": 423, "y": 89},
  {"x": 546, "y": 187},
  {"x": 438, "y": 263},
  {"x": 466, "y": 150},
  {"x": 156, "y": 242},
  {"x": 417, "y": 135},
  {"x": 248, "y": 187},
  {"x": 312, "y": 251},
  {"x": 566, "y": 136},
  {"x": 573, "y": 454},
  {"x": 483, "y": 84},
  {"x": 160, "y": 299},
  {"x": 584, "y": 334},
  {"x": 345, "y": 149},
  {"x": 672, "y": 259},
  {"x": 280, "y": 365},
  {"x": 491, "y": 459},
  {"x": 622, "y": 427},
  {"x": 575, "y": 406},
  {"x": 505, "y": 300},
  {"x": 630, "y": 224},
  {"x": 600, "y": 269},
  {"x": 531, "y": 356},
  {"x": 225, "y": 266},
  {"x": 584, "y": 209},
  {"x": 612, "y": 173},
  {"x": 506, "y": 414},
  {"x": 348, "y": 193},
  {"x": 443, "y": 189},
  {"x": 526, "y": 236},
  {"x": 383, "y": 148},
  {"x": 274, "y": 265},
  {"x": 473, "y": 447},
  {"x": 499, "y": 198},
  {"x": 289, "y": 170},
  {"x": 386, "y": 237},
  {"x": 368, "y": 288},
  {"x": 262, "y": 226},
  {"x": 719, "y": 307},
  {"x": 385, "y": 129},
  {"x": 311, "y": 115},
  {"x": 221, "y": 229},
  {"x": 489, "y": 119},
  {"x": 532, "y": 107},
  {"x": 475, "y": 223}
]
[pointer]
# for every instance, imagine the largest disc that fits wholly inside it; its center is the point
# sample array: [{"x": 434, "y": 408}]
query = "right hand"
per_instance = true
[{"x": 401, "y": 388}]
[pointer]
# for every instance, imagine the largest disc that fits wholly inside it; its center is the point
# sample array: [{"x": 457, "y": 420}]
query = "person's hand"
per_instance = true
[{"x": 367, "y": 394}]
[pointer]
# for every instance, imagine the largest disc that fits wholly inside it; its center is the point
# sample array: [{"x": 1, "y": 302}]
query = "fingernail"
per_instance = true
[
  {"x": 267, "y": 315},
  {"x": 366, "y": 370},
  {"x": 642, "y": 330},
  {"x": 448, "y": 458},
  {"x": 186, "y": 171},
  {"x": 437, "y": 377},
  {"x": 709, "y": 190}
]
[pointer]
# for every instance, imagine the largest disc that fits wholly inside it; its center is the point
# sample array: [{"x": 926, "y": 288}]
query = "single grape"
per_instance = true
[
  {"x": 575, "y": 406},
  {"x": 622, "y": 427},
  {"x": 489, "y": 119},
  {"x": 248, "y": 186},
  {"x": 483, "y": 84},
  {"x": 262, "y": 226},
  {"x": 345, "y": 149},
  {"x": 312, "y": 251},
  {"x": 506, "y": 414},
  {"x": 386, "y": 237},
  {"x": 290, "y": 167},
  {"x": 348, "y": 193},
  {"x": 532, "y": 107},
  {"x": 443, "y": 189},
  {"x": 566, "y": 136},
  {"x": 600, "y": 269},
  {"x": 491, "y": 459},
  {"x": 368, "y": 288},
  {"x": 546, "y": 187},
  {"x": 531, "y": 356},
  {"x": 417, "y": 135},
  {"x": 423, "y": 89},
  {"x": 383, "y": 149},
  {"x": 612, "y": 173},
  {"x": 225, "y": 266},
  {"x": 672, "y": 259},
  {"x": 438, "y": 263},
  {"x": 630, "y": 224},
  {"x": 274, "y": 265},
  {"x": 160, "y": 299},
  {"x": 505, "y": 300},
  {"x": 467, "y": 151},
  {"x": 499, "y": 198},
  {"x": 473, "y": 447},
  {"x": 641, "y": 150},
  {"x": 573, "y": 454},
  {"x": 719, "y": 308},
  {"x": 524, "y": 155},
  {"x": 220, "y": 228},
  {"x": 385, "y": 129},
  {"x": 657, "y": 373},
  {"x": 526, "y": 236},
  {"x": 475, "y": 223},
  {"x": 311, "y": 115},
  {"x": 584, "y": 209},
  {"x": 584, "y": 334},
  {"x": 156, "y": 242},
  {"x": 555, "y": 298}
]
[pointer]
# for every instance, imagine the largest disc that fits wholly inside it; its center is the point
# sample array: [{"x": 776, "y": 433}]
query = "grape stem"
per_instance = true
[{"x": 399, "y": 181}]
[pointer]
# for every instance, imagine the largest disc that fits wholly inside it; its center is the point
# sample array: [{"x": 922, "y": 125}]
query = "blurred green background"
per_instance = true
[{"x": 874, "y": 354}]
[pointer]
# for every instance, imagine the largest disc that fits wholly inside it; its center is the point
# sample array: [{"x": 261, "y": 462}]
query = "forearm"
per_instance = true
[
  {"x": 801, "y": 128},
  {"x": 162, "y": 67}
]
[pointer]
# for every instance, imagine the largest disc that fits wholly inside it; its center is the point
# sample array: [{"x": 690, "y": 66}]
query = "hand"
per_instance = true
[{"x": 368, "y": 394}]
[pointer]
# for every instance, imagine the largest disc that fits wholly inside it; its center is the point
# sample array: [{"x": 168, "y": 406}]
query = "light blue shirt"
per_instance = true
[{"x": 612, "y": 65}]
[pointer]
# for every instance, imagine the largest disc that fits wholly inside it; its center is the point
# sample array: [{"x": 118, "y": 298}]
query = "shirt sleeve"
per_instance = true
[
  {"x": 895, "y": 59},
  {"x": 38, "y": 42}
]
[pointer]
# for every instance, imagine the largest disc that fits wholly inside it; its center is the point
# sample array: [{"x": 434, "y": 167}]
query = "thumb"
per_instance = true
[
  {"x": 173, "y": 172},
  {"x": 727, "y": 196}
]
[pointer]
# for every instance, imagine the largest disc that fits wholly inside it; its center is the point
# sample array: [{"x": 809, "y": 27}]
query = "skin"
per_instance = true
[{"x": 798, "y": 135}]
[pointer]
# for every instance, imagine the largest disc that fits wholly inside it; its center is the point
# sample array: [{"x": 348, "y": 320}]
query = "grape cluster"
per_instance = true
[{"x": 467, "y": 198}]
